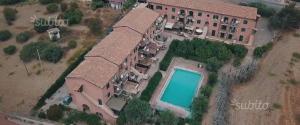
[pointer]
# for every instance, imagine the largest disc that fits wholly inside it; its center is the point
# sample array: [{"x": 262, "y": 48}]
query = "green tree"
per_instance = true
[
  {"x": 23, "y": 37},
  {"x": 74, "y": 16},
  {"x": 263, "y": 9},
  {"x": 213, "y": 64},
  {"x": 128, "y": 4},
  {"x": 199, "y": 107},
  {"x": 212, "y": 78},
  {"x": 10, "y": 50},
  {"x": 287, "y": 18},
  {"x": 52, "y": 7},
  {"x": 137, "y": 112},
  {"x": 9, "y": 14},
  {"x": 63, "y": 7},
  {"x": 41, "y": 25},
  {"x": 55, "y": 112},
  {"x": 5, "y": 35},
  {"x": 168, "y": 118}
]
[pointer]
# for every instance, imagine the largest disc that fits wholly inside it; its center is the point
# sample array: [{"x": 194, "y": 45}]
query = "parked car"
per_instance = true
[{"x": 67, "y": 100}]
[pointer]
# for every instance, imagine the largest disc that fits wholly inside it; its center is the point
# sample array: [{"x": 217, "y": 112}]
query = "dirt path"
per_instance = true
[{"x": 269, "y": 86}]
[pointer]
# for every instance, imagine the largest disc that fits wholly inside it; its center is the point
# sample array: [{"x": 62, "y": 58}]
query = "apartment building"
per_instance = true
[
  {"x": 217, "y": 20},
  {"x": 98, "y": 81}
]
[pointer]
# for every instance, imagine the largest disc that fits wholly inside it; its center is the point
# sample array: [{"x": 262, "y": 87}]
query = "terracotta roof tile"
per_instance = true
[
  {"x": 117, "y": 45},
  {"x": 212, "y": 6},
  {"x": 139, "y": 19},
  {"x": 95, "y": 70}
]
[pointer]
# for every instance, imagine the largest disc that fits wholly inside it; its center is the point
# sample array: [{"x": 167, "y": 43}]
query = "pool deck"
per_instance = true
[{"x": 182, "y": 63}]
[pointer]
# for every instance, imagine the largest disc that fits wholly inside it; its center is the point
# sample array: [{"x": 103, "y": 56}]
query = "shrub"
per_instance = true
[
  {"x": 49, "y": 1},
  {"x": 167, "y": 118},
  {"x": 41, "y": 25},
  {"x": 238, "y": 50},
  {"x": 153, "y": 82},
  {"x": 42, "y": 115},
  {"x": 55, "y": 112},
  {"x": 5, "y": 35},
  {"x": 52, "y": 7},
  {"x": 95, "y": 25},
  {"x": 23, "y": 37},
  {"x": 48, "y": 52},
  {"x": 260, "y": 51},
  {"x": 206, "y": 91},
  {"x": 237, "y": 62},
  {"x": 72, "y": 44},
  {"x": 9, "y": 14},
  {"x": 9, "y": 2},
  {"x": 97, "y": 4},
  {"x": 199, "y": 107},
  {"x": 137, "y": 112},
  {"x": 73, "y": 5},
  {"x": 128, "y": 4},
  {"x": 52, "y": 53},
  {"x": 212, "y": 78},
  {"x": 10, "y": 50},
  {"x": 76, "y": 116},
  {"x": 74, "y": 16}
]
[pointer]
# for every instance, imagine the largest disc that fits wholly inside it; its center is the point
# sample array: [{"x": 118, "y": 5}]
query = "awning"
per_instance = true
[
  {"x": 169, "y": 25},
  {"x": 199, "y": 30}
]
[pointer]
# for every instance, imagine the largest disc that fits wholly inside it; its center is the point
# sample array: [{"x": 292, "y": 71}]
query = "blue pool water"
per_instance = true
[{"x": 181, "y": 88}]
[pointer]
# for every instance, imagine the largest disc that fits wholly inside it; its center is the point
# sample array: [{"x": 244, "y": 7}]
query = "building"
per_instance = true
[
  {"x": 98, "y": 84},
  {"x": 212, "y": 19}
]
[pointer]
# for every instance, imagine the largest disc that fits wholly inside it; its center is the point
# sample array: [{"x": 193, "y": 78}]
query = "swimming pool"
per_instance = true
[{"x": 181, "y": 88}]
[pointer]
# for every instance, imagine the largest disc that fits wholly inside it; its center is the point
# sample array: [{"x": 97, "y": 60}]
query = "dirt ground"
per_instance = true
[
  {"x": 272, "y": 85},
  {"x": 19, "y": 91}
]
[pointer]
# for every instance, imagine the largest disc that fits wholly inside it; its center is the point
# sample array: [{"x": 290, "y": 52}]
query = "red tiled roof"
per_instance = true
[
  {"x": 139, "y": 19},
  {"x": 212, "y": 6},
  {"x": 96, "y": 70},
  {"x": 117, "y": 45}
]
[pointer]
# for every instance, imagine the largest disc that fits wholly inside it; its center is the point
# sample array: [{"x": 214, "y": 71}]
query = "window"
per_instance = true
[
  {"x": 199, "y": 14},
  {"x": 213, "y": 32},
  {"x": 223, "y": 27},
  {"x": 222, "y": 35},
  {"x": 166, "y": 8},
  {"x": 173, "y": 17},
  {"x": 206, "y": 22},
  {"x": 215, "y": 24},
  {"x": 191, "y": 13},
  {"x": 243, "y": 29},
  {"x": 107, "y": 86},
  {"x": 245, "y": 22},
  {"x": 230, "y": 36},
  {"x": 159, "y": 7},
  {"x": 215, "y": 17},
  {"x": 108, "y": 94},
  {"x": 241, "y": 38},
  {"x": 207, "y": 15},
  {"x": 99, "y": 101},
  {"x": 80, "y": 88},
  {"x": 173, "y": 9},
  {"x": 198, "y": 21}
]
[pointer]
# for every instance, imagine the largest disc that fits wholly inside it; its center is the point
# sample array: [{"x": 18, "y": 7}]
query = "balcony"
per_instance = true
[{"x": 181, "y": 15}]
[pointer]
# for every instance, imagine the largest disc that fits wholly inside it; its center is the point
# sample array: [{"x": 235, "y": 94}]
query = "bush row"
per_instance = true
[
  {"x": 153, "y": 82},
  {"x": 59, "y": 82},
  {"x": 214, "y": 54}
]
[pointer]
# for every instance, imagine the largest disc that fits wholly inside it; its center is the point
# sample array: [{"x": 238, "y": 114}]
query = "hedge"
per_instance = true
[
  {"x": 59, "y": 82},
  {"x": 260, "y": 51},
  {"x": 154, "y": 81}
]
